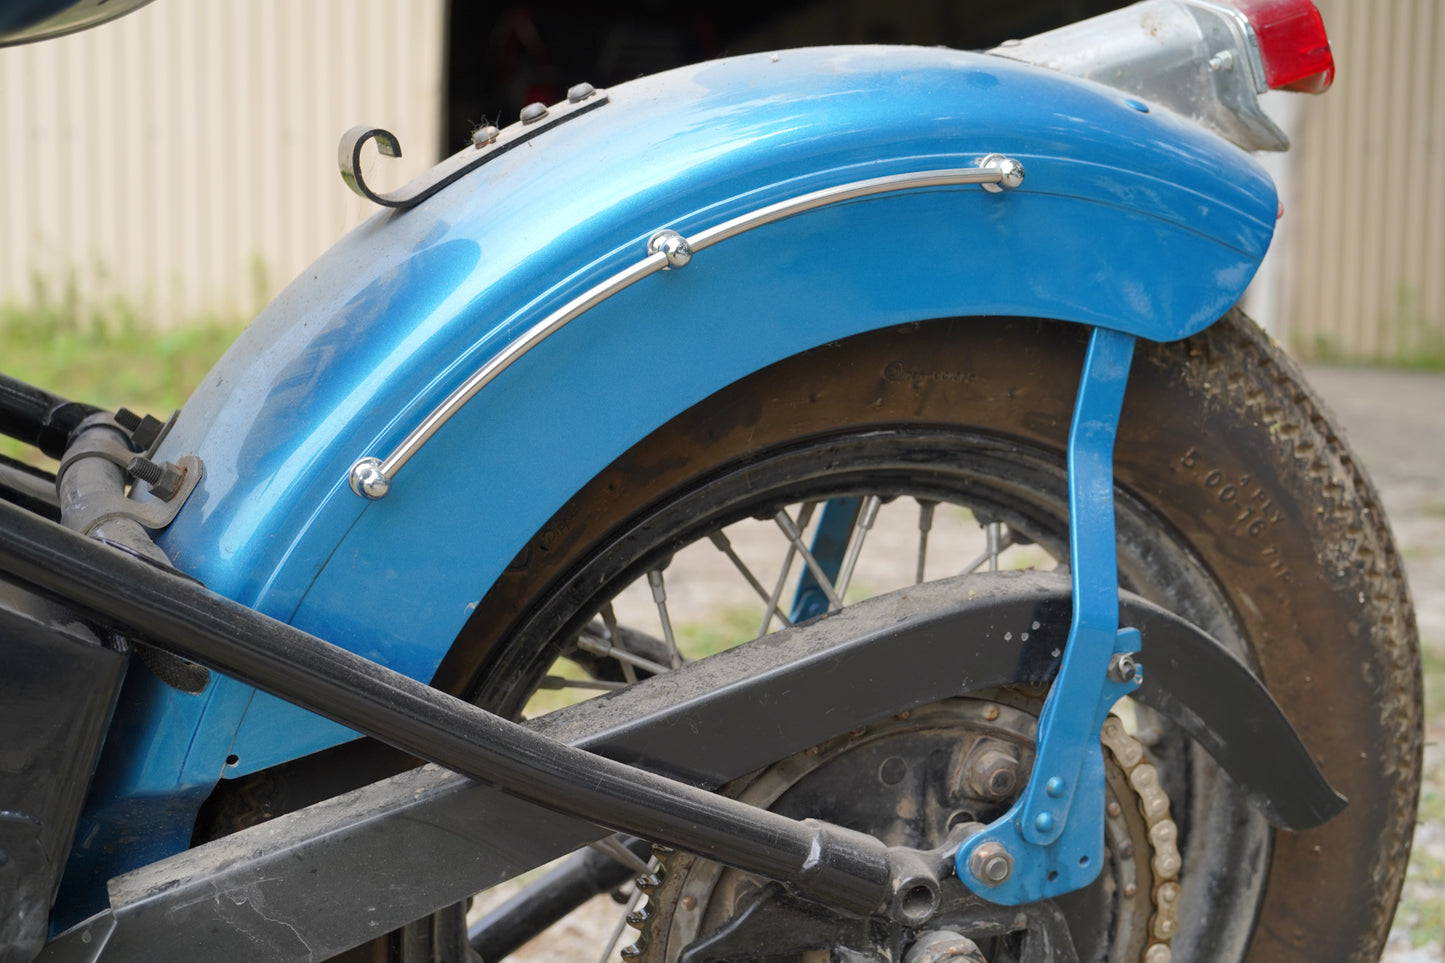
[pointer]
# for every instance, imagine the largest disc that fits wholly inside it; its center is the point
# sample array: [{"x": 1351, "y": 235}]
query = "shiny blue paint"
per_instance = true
[
  {"x": 1137, "y": 222},
  {"x": 1055, "y": 829}
]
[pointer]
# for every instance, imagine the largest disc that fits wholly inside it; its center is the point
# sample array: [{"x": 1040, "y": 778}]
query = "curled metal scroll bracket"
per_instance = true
[
  {"x": 487, "y": 143},
  {"x": 349, "y": 157}
]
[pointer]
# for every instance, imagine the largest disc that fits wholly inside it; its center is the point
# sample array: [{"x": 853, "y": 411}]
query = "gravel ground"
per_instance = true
[{"x": 1394, "y": 421}]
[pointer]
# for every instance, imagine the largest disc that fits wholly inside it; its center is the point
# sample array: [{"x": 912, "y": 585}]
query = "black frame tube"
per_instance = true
[
  {"x": 836, "y": 866},
  {"x": 37, "y": 417}
]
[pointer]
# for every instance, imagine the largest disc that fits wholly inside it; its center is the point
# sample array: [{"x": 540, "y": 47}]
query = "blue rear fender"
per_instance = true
[{"x": 1127, "y": 218}]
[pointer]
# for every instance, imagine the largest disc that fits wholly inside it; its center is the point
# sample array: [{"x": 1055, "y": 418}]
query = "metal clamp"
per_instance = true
[
  {"x": 488, "y": 143},
  {"x": 371, "y": 477}
]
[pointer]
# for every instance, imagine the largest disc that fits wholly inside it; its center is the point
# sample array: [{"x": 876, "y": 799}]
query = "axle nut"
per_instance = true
[
  {"x": 993, "y": 773},
  {"x": 991, "y": 864}
]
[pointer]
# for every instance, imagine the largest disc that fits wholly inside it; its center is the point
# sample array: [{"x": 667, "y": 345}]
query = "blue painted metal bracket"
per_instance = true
[{"x": 1051, "y": 841}]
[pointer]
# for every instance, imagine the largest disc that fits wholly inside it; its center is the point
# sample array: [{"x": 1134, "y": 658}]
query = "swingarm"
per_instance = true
[{"x": 640, "y": 761}]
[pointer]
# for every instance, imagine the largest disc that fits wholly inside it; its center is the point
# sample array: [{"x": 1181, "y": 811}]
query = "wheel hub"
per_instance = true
[{"x": 912, "y": 780}]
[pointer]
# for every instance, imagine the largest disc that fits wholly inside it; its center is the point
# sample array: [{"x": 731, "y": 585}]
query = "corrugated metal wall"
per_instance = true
[
  {"x": 184, "y": 157},
  {"x": 1366, "y": 213}
]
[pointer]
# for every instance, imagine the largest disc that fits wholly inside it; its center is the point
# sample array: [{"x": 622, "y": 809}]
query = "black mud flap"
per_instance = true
[{"x": 58, "y": 686}]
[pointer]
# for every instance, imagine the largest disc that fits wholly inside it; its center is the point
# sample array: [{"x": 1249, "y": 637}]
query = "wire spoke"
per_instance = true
[
  {"x": 588, "y": 642},
  {"x": 659, "y": 596},
  {"x": 795, "y": 535},
  {"x": 804, "y": 516},
  {"x": 990, "y": 554},
  {"x": 726, "y": 547},
  {"x": 609, "y": 619},
  {"x": 621, "y": 925},
  {"x": 866, "y": 516},
  {"x": 612, "y": 847},
  {"x": 562, "y": 682},
  {"x": 925, "y": 524}
]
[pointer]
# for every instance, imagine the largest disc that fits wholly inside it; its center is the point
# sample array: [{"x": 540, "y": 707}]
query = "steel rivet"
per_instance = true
[
  {"x": 1054, "y": 787},
  {"x": 1044, "y": 822},
  {"x": 580, "y": 92},
  {"x": 484, "y": 135},
  {"x": 1138, "y": 105},
  {"x": 533, "y": 112}
]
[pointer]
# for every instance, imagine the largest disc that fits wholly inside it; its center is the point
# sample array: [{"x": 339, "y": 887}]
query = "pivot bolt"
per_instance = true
[{"x": 991, "y": 864}]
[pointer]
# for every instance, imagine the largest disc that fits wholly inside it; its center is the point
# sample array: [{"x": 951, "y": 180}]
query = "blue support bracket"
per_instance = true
[{"x": 1051, "y": 841}]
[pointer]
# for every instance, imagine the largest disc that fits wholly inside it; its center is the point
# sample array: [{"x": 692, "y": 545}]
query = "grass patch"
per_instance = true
[
  {"x": 1408, "y": 338},
  {"x": 1433, "y": 666},
  {"x": 108, "y": 359},
  {"x": 726, "y": 627}
]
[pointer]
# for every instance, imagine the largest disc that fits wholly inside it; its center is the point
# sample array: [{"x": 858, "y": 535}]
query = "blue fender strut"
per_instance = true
[{"x": 1054, "y": 832}]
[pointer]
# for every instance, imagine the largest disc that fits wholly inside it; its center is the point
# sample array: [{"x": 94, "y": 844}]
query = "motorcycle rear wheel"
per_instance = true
[{"x": 1239, "y": 506}]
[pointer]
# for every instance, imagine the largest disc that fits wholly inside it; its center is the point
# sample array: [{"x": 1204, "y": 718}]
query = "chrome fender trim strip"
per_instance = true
[{"x": 371, "y": 477}]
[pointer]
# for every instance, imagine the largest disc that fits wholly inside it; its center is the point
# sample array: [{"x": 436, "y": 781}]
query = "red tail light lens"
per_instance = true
[{"x": 1292, "y": 44}]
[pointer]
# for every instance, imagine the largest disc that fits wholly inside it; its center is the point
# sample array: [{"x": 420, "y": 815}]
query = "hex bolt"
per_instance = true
[
  {"x": 164, "y": 480},
  {"x": 1123, "y": 667},
  {"x": 991, "y": 864}
]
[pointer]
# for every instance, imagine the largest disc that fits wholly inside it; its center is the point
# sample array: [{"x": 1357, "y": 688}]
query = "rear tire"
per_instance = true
[{"x": 1239, "y": 505}]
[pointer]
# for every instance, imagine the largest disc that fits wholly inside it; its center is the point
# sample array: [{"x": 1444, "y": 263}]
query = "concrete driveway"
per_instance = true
[{"x": 1395, "y": 420}]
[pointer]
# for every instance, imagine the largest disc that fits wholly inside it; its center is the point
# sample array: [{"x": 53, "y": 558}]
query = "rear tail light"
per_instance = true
[{"x": 1292, "y": 44}]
